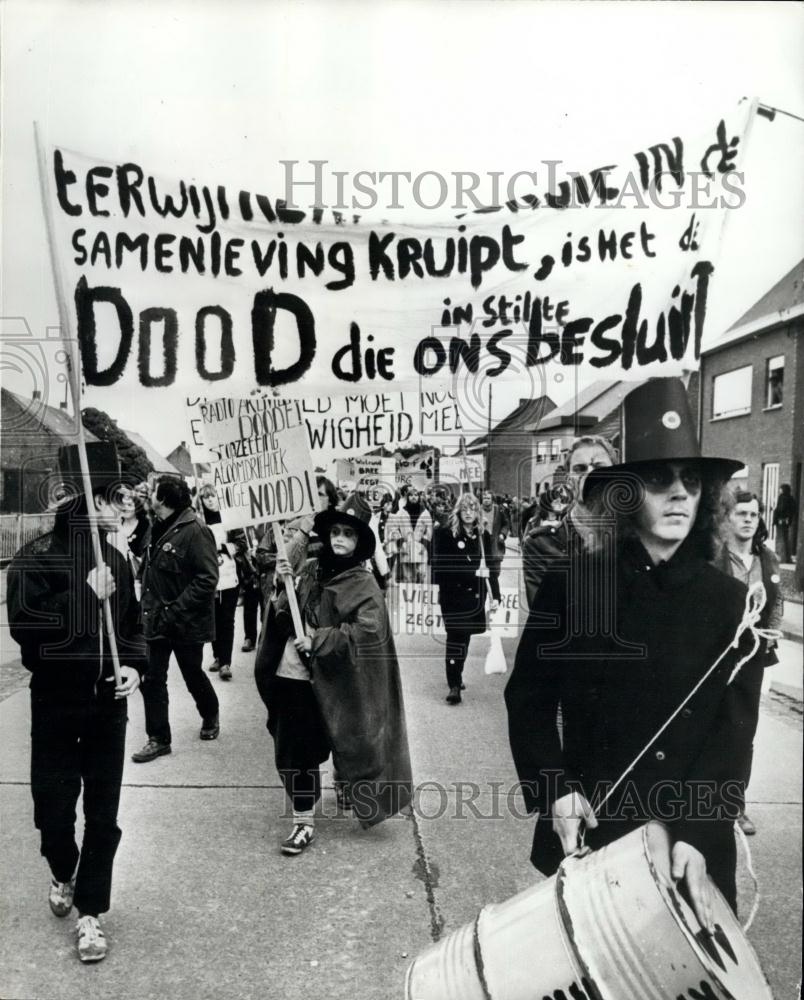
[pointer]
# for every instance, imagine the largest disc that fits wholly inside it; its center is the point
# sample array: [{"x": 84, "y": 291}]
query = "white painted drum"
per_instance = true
[{"x": 608, "y": 926}]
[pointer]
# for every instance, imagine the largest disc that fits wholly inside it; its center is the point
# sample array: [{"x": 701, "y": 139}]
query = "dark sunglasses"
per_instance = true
[{"x": 661, "y": 476}]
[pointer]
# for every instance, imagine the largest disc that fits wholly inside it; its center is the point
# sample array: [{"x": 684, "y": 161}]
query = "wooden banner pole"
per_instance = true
[
  {"x": 290, "y": 590},
  {"x": 75, "y": 391}
]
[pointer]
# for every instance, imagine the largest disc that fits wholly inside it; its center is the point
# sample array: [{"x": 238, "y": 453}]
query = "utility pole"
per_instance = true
[{"x": 488, "y": 442}]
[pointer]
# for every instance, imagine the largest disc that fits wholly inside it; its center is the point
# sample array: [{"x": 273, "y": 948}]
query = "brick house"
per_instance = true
[
  {"x": 33, "y": 432},
  {"x": 508, "y": 448},
  {"x": 752, "y": 393}
]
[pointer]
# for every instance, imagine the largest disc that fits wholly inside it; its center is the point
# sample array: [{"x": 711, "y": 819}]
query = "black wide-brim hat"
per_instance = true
[
  {"x": 657, "y": 425},
  {"x": 104, "y": 471},
  {"x": 355, "y": 512}
]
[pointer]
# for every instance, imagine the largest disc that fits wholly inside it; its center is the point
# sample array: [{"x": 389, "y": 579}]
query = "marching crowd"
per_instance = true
[{"x": 636, "y": 571}]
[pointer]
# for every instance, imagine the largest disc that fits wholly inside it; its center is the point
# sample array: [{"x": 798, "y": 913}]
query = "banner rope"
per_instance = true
[
  {"x": 749, "y": 863},
  {"x": 754, "y": 603}
]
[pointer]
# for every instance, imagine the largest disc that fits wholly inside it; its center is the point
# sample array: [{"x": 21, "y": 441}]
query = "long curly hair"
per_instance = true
[
  {"x": 456, "y": 525},
  {"x": 617, "y": 504}
]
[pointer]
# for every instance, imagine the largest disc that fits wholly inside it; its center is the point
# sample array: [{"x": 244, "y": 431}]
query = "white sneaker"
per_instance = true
[
  {"x": 301, "y": 836},
  {"x": 91, "y": 939},
  {"x": 61, "y": 897}
]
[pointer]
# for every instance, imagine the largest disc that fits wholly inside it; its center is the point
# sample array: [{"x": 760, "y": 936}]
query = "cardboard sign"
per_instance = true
[
  {"x": 452, "y": 471},
  {"x": 414, "y": 610},
  {"x": 262, "y": 471},
  {"x": 372, "y": 475},
  {"x": 418, "y": 470}
]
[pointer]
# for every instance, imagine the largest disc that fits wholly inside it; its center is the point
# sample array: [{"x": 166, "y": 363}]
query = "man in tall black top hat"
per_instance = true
[
  {"x": 78, "y": 712},
  {"x": 641, "y": 619}
]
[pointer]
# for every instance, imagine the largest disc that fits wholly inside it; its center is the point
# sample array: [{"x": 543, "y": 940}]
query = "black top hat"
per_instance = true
[
  {"x": 657, "y": 425},
  {"x": 104, "y": 468},
  {"x": 355, "y": 512}
]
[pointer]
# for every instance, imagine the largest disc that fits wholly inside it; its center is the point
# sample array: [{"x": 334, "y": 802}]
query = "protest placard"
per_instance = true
[
  {"x": 371, "y": 475},
  {"x": 418, "y": 470},
  {"x": 452, "y": 470},
  {"x": 262, "y": 471},
  {"x": 414, "y": 610}
]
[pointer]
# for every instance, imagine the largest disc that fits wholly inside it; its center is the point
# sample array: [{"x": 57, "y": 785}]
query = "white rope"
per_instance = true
[
  {"x": 754, "y": 603},
  {"x": 749, "y": 863}
]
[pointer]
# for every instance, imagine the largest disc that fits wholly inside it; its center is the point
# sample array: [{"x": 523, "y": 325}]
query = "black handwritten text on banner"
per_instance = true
[{"x": 195, "y": 286}]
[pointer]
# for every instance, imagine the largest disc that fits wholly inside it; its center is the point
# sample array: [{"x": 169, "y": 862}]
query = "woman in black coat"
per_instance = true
[
  {"x": 618, "y": 643},
  {"x": 461, "y": 572}
]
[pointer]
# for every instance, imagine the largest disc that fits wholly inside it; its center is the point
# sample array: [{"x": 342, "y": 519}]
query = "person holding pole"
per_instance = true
[
  {"x": 179, "y": 578},
  {"x": 56, "y": 587},
  {"x": 649, "y": 651},
  {"x": 327, "y": 672}
]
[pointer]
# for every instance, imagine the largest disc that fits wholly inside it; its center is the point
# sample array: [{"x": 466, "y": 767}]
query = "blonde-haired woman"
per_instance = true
[{"x": 462, "y": 575}]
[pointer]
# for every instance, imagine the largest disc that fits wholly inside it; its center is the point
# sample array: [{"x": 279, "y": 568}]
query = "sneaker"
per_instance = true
[
  {"x": 247, "y": 646},
  {"x": 226, "y": 672},
  {"x": 454, "y": 696},
  {"x": 91, "y": 939},
  {"x": 152, "y": 749},
  {"x": 210, "y": 728},
  {"x": 301, "y": 836},
  {"x": 61, "y": 897},
  {"x": 746, "y": 825},
  {"x": 215, "y": 666}
]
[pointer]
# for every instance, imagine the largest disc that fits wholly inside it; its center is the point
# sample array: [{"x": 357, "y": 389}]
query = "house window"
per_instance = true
[
  {"x": 555, "y": 448},
  {"x": 774, "y": 381},
  {"x": 731, "y": 393},
  {"x": 542, "y": 451}
]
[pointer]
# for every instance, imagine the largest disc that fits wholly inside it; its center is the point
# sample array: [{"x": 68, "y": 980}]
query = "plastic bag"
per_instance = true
[{"x": 495, "y": 658}]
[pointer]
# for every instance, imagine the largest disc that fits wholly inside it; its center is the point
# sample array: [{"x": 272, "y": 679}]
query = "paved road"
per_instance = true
[{"x": 204, "y": 906}]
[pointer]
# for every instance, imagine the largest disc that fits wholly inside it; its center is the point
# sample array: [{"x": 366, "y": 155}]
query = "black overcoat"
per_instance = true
[
  {"x": 461, "y": 593},
  {"x": 670, "y": 623}
]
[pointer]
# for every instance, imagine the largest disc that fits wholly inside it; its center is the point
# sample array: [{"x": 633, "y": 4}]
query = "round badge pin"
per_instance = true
[
  {"x": 671, "y": 420},
  {"x": 461, "y": 545}
]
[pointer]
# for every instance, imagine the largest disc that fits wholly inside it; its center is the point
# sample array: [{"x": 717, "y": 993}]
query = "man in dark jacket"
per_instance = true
[
  {"x": 179, "y": 577},
  {"x": 547, "y": 546},
  {"x": 495, "y": 520},
  {"x": 746, "y": 557},
  {"x": 78, "y": 712}
]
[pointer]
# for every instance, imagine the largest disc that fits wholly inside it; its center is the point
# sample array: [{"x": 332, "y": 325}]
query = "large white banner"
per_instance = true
[{"x": 191, "y": 286}]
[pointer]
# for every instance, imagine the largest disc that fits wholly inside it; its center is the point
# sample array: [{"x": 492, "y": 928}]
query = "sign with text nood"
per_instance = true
[
  {"x": 216, "y": 290},
  {"x": 262, "y": 470}
]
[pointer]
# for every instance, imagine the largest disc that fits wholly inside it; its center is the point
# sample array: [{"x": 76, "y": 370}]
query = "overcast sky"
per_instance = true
[{"x": 225, "y": 90}]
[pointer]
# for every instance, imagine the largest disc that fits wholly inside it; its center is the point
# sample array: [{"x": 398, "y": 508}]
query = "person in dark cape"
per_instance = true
[{"x": 336, "y": 689}]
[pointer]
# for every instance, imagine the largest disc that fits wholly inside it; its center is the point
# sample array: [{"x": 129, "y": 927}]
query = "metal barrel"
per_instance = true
[
  {"x": 509, "y": 949},
  {"x": 638, "y": 938},
  {"x": 608, "y": 926}
]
